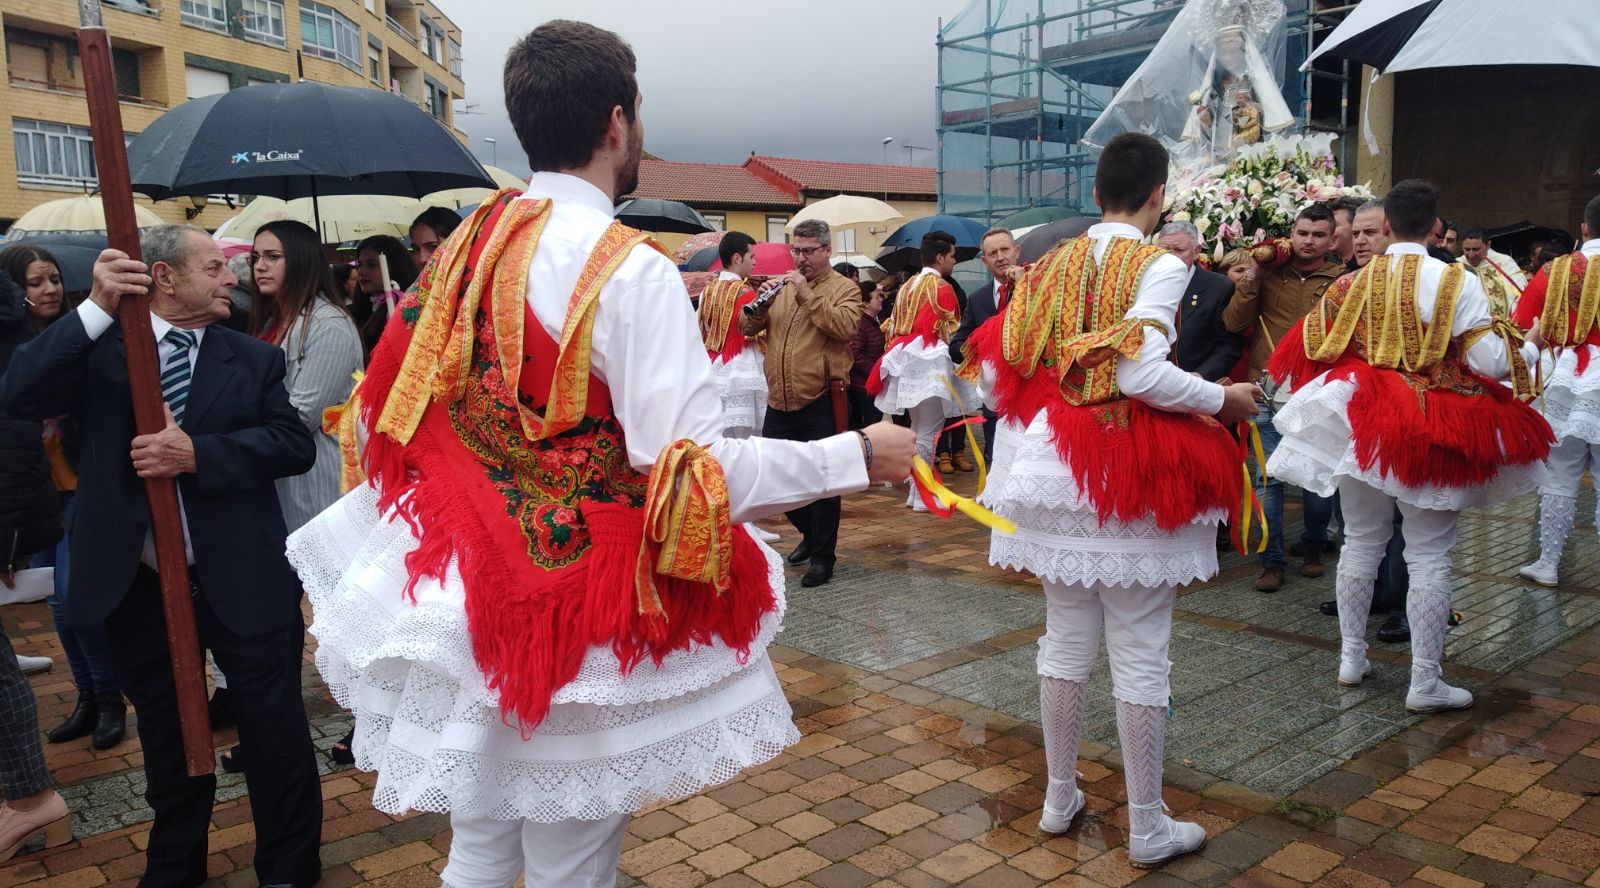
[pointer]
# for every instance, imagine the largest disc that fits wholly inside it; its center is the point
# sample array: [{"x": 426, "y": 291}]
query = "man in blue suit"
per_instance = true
[{"x": 230, "y": 433}]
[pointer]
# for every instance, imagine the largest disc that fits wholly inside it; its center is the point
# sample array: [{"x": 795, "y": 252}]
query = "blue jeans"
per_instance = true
[
  {"x": 87, "y": 653},
  {"x": 1318, "y": 509}
]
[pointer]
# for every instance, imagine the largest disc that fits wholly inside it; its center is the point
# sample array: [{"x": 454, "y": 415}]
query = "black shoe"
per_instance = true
[
  {"x": 801, "y": 554},
  {"x": 344, "y": 752},
  {"x": 1331, "y": 607},
  {"x": 817, "y": 574},
  {"x": 112, "y": 724},
  {"x": 221, "y": 709},
  {"x": 233, "y": 760},
  {"x": 1395, "y": 629},
  {"x": 80, "y": 723}
]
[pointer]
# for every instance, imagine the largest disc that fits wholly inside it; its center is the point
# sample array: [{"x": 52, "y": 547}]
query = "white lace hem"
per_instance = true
[
  {"x": 742, "y": 385},
  {"x": 1066, "y": 545},
  {"x": 351, "y": 561},
  {"x": 914, "y": 372},
  {"x": 1571, "y": 402},
  {"x": 1318, "y": 449}
]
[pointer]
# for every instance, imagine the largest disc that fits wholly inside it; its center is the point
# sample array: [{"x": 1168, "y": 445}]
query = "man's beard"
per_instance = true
[{"x": 628, "y": 173}]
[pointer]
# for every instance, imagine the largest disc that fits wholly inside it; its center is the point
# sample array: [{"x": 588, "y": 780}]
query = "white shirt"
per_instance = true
[
  {"x": 726, "y": 275},
  {"x": 648, "y": 351},
  {"x": 1488, "y": 356},
  {"x": 95, "y": 323},
  {"x": 1590, "y": 247}
]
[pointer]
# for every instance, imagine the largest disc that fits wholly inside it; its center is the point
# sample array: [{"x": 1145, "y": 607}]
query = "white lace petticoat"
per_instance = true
[
  {"x": 430, "y": 727},
  {"x": 1318, "y": 448},
  {"x": 1571, "y": 402},
  {"x": 914, "y": 371},
  {"x": 742, "y": 383},
  {"x": 1060, "y": 536}
]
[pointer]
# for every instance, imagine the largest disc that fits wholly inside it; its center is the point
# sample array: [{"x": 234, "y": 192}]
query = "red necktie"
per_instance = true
[{"x": 1005, "y": 296}]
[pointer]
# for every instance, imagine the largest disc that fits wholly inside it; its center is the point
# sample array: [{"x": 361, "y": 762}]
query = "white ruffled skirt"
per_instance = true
[
  {"x": 434, "y": 733},
  {"x": 1059, "y": 535},
  {"x": 742, "y": 383},
  {"x": 1572, "y": 402},
  {"x": 1318, "y": 448},
  {"x": 915, "y": 371}
]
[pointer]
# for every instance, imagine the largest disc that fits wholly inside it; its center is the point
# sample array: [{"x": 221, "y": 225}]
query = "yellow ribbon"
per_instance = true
[
  {"x": 687, "y": 530},
  {"x": 972, "y": 440},
  {"x": 1250, "y": 506},
  {"x": 923, "y": 473}
]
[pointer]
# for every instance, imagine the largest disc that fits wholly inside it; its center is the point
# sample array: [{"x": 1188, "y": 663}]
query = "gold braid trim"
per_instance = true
[
  {"x": 1387, "y": 301},
  {"x": 716, "y": 311},
  {"x": 688, "y": 534},
  {"x": 1522, "y": 381},
  {"x": 920, "y": 291},
  {"x": 1571, "y": 306},
  {"x": 343, "y": 422},
  {"x": 1037, "y": 302}
]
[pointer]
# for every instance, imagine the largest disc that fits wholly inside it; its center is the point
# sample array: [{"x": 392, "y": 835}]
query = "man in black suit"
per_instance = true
[
  {"x": 1204, "y": 345},
  {"x": 231, "y": 432},
  {"x": 998, "y": 249}
]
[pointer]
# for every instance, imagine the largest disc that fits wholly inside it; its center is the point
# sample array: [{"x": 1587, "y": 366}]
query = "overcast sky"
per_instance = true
[{"x": 826, "y": 79}]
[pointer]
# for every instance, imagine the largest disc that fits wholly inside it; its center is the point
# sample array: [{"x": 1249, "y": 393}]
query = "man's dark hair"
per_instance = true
[
  {"x": 1316, "y": 213},
  {"x": 1591, "y": 216},
  {"x": 561, "y": 83},
  {"x": 849, "y": 271},
  {"x": 1475, "y": 233},
  {"x": 1449, "y": 227},
  {"x": 1131, "y": 168},
  {"x": 1411, "y": 208},
  {"x": 936, "y": 244},
  {"x": 734, "y": 243},
  {"x": 439, "y": 220},
  {"x": 1348, "y": 204}
]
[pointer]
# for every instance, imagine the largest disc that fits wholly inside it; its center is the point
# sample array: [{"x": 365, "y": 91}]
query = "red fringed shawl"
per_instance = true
[{"x": 547, "y": 529}]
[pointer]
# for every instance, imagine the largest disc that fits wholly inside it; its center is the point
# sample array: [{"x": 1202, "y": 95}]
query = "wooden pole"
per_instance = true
[{"x": 116, "y": 194}]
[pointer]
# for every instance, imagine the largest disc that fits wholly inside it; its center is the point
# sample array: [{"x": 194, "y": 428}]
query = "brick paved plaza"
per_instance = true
[{"x": 912, "y": 679}]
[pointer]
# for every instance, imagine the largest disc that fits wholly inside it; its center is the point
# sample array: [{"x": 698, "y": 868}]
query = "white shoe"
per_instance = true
[
  {"x": 1055, "y": 822},
  {"x": 765, "y": 536},
  {"x": 1351, "y": 672},
  {"x": 35, "y": 665},
  {"x": 1439, "y": 698},
  {"x": 1539, "y": 572},
  {"x": 1173, "y": 838}
]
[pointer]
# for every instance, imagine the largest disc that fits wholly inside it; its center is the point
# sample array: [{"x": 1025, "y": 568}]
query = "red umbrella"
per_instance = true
[{"x": 771, "y": 259}]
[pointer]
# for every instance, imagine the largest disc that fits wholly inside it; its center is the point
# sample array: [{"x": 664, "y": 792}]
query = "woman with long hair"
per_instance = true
[
  {"x": 374, "y": 289},
  {"x": 100, "y": 711}
]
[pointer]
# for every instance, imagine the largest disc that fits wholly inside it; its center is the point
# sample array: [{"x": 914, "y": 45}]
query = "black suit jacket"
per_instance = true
[
  {"x": 979, "y": 308},
  {"x": 246, "y": 434},
  {"x": 1204, "y": 345}
]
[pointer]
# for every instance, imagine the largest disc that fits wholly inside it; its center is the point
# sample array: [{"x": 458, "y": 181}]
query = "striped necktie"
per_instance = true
[{"x": 175, "y": 373}]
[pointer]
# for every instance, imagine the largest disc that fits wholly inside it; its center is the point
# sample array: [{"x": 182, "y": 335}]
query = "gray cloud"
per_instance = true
[{"x": 826, "y": 80}]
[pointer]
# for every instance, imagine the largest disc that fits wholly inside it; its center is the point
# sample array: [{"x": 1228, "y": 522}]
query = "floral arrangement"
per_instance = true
[{"x": 1255, "y": 197}]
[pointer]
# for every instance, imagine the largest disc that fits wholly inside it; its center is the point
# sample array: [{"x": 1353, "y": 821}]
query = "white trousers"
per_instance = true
[
  {"x": 1137, "y": 621},
  {"x": 487, "y": 853},
  {"x": 1369, "y": 522},
  {"x": 1569, "y": 459}
]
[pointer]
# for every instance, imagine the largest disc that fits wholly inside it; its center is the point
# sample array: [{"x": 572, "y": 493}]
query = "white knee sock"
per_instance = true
[
  {"x": 1428, "y": 610},
  {"x": 1354, "y": 595},
  {"x": 1061, "y": 709},
  {"x": 1556, "y": 517},
  {"x": 1143, "y": 732}
]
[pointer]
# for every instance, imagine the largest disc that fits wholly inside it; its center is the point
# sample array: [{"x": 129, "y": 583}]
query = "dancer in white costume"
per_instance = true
[
  {"x": 1398, "y": 400},
  {"x": 1563, "y": 300},
  {"x": 521, "y": 649},
  {"x": 1109, "y": 461},
  {"x": 735, "y": 361}
]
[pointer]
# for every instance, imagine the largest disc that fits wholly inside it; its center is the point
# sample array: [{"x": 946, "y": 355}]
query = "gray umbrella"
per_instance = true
[
  {"x": 650, "y": 214},
  {"x": 1038, "y": 242}
]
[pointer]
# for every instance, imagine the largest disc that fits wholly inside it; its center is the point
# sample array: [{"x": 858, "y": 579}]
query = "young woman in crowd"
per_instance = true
[{"x": 369, "y": 277}]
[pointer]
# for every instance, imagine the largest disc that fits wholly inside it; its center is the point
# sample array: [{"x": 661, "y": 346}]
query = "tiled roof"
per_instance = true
[
  {"x": 709, "y": 184},
  {"x": 850, "y": 178}
]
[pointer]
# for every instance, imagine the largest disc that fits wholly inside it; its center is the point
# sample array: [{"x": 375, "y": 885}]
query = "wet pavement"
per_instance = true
[{"x": 912, "y": 679}]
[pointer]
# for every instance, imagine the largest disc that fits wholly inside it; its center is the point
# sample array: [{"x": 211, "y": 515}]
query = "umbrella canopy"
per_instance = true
[
  {"x": 1405, "y": 35},
  {"x": 846, "y": 211},
  {"x": 74, "y": 255},
  {"x": 650, "y": 214},
  {"x": 344, "y": 217},
  {"x": 695, "y": 244},
  {"x": 73, "y": 215},
  {"x": 457, "y": 198},
  {"x": 967, "y": 232},
  {"x": 302, "y": 139},
  {"x": 871, "y": 269},
  {"x": 1035, "y": 216},
  {"x": 703, "y": 259},
  {"x": 1039, "y": 241},
  {"x": 771, "y": 259}
]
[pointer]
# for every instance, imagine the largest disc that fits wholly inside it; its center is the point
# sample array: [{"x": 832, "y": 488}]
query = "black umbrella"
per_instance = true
[
  {"x": 650, "y": 214},
  {"x": 893, "y": 259},
  {"x": 703, "y": 259},
  {"x": 74, "y": 255},
  {"x": 303, "y": 139},
  {"x": 1038, "y": 242}
]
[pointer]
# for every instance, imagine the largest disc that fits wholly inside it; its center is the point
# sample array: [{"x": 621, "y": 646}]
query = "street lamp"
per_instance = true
[
  {"x": 886, "y": 141},
  {"x": 494, "y": 153}
]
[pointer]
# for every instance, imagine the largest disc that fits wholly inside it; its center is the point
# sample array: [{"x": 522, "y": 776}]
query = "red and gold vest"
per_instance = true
[
  {"x": 918, "y": 299},
  {"x": 1571, "y": 313},
  {"x": 500, "y": 448},
  {"x": 719, "y": 317}
]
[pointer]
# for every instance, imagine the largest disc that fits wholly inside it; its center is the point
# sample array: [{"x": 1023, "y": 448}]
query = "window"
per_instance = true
[
  {"x": 212, "y": 14},
  {"x": 719, "y": 221},
  {"x": 375, "y": 62},
  {"x": 433, "y": 41},
  {"x": 53, "y": 153},
  {"x": 328, "y": 35},
  {"x": 455, "y": 58},
  {"x": 437, "y": 99},
  {"x": 204, "y": 82},
  {"x": 775, "y": 232},
  {"x": 263, "y": 20}
]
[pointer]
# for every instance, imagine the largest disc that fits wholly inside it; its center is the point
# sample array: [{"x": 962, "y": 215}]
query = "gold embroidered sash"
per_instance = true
[
  {"x": 1571, "y": 301},
  {"x": 716, "y": 311},
  {"x": 914, "y": 294}
]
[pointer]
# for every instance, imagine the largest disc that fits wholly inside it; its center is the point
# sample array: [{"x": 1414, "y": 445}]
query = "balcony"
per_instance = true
[{"x": 402, "y": 30}]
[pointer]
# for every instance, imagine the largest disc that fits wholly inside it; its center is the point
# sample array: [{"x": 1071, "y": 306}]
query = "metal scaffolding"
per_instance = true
[{"x": 1021, "y": 80}]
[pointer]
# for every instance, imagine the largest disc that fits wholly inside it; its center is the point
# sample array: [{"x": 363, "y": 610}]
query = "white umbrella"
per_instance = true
[
  {"x": 74, "y": 215},
  {"x": 1404, "y": 35},
  {"x": 871, "y": 269},
  {"x": 846, "y": 211},
  {"x": 456, "y": 198},
  {"x": 345, "y": 217}
]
